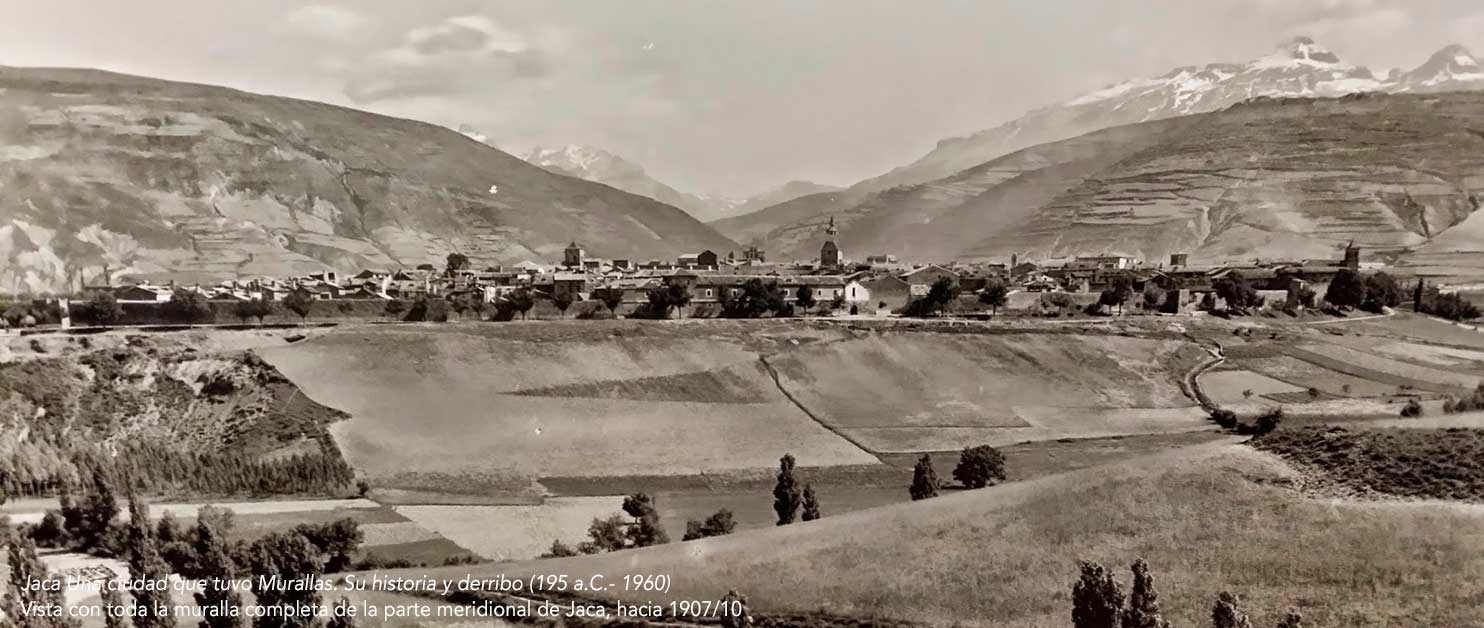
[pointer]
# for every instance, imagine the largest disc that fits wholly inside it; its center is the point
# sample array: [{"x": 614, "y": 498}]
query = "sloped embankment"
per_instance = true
[{"x": 203, "y": 402}]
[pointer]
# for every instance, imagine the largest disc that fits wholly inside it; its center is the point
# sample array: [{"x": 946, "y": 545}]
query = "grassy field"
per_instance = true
[
  {"x": 464, "y": 400},
  {"x": 490, "y": 405},
  {"x": 1207, "y": 518},
  {"x": 1230, "y": 385},
  {"x": 1305, "y": 375}
]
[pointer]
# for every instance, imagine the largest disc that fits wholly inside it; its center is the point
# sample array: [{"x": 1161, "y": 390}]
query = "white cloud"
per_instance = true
[{"x": 326, "y": 21}]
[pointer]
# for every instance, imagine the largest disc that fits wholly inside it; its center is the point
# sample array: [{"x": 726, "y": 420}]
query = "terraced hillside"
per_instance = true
[
  {"x": 1269, "y": 178},
  {"x": 505, "y": 404},
  {"x": 108, "y": 174}
]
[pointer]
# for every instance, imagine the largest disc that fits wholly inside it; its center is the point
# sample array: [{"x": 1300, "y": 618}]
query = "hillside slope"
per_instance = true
[
  {"x": 1270, "y": 178},
  {"x": 1207, "y": 519},
  {"x": 1298, "y": 68},
  {"x": 107, "y": 174}
]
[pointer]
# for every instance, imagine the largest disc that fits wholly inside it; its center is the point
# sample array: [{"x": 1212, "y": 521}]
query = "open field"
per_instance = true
[
  {"x": 1305, "y": 375},
  {"x": 493, "y": 404},
  {"x": 1230, "y": 386},
  {"x": 515, "y": 532},
  {"x": 1207, "y": 518},
  {"x": 464, "y": 400},
  {"x": 1376, "y": 368}
]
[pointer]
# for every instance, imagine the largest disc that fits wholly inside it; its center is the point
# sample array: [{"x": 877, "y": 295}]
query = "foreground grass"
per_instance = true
[{"x": 1207, "y": 518}]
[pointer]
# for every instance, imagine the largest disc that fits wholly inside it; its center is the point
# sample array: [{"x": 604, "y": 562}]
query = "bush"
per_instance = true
[
  {"x": 1412, "y": 410},
  {"x": 1269, "y": 421},
  {"x": 718, "y": 524},
  {"x": 979, "y": 467},
  {"x": 1225, "y": 418}
]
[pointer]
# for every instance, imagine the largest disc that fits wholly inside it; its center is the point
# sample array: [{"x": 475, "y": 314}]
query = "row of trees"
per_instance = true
[
  {"x": 641, "y": 528},
  {"x": 1098, "y": 602},
  {"x": 978, "y": 467},
  {"x": 202, "y": 552},
  {"x": 43, "y": 467}
]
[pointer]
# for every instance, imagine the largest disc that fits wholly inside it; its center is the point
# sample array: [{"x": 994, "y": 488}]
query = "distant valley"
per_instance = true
[{"x": 598, "y": 165}]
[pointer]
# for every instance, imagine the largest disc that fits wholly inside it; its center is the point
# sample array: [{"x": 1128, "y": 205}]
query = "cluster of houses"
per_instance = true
[{"x": 879, "y": 281}]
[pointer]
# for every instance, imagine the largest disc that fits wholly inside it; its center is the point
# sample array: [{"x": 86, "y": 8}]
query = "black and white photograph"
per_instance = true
[{"x": 741, "y": 313}]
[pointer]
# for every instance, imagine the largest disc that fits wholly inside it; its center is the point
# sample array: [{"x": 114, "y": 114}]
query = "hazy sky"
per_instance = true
[{"x": 711, "y": 96}]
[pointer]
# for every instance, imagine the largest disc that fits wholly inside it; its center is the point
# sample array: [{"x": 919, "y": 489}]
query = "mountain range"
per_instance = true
[
  {"x": 601, "y": 166},
  {"x": 106, "y": 175},
  {"x": 981, "y": 195}
]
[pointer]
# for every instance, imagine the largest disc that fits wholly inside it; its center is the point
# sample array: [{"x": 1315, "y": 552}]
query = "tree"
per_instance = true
[
  {"x": 562, "y": 301},
  {"x": 1238, "y": 294},
  {"x": 395, "y": 307},
  {"x": 718, "y": 524},
  {"x": 1381, "y": 291},
  {"x": 299, "y": 302},
  {"x": 994, "y": 295},
  {"x": 343, "y": 616},
  {"x": 455, "y": 262},
  {"x": 811, "y": 504},
  {"x": 187, "y": 306},
  {"x": 646, "y": 530},
  {"x": 786, "y": 495},
  {"x": 805, "y": 298},
  {"x": 91, "y": 520},
  {"x": 943, "y": 292},
  {"x": 215, "y": 568},
  {"x": 1143, "y": 601},
  {"x": 50, "y": 532},
  {"x": 1345, "y": 290},
  {"x": 258, "y": 308},
  {"x": 1227, "y": 614},
  {"x": 115, "y": 614},
  {"x": 152, "y": 605},
  {"x": 605, "y": 535},
  {"x": 521, "y": 300},
  {"x": 336, "y": 540},
  {"x": 104, "y": 309},
  {"x": 979, "y": 467},
  {"x": 1154, "y": 297},
  {"x": 924, "y": 479},
  {"x": 1117, "y": 292},
  {"x": 290, "y": 557},
  {"x": 1097, "y": 600},
  {"x": 25, "y": 591},
  {"x": 610, "y": 297}
]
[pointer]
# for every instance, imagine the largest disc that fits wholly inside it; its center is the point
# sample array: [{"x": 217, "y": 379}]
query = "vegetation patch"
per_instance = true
[{"x": 1416, "y": 463}]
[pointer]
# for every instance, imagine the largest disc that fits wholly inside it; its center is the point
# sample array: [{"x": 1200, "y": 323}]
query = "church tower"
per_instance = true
[
  {"x": 829, "y": 254},
  {"x": 573, "y": 256}
]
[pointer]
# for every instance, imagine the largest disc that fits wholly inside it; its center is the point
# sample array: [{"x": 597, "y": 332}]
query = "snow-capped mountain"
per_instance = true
[
  {"x": 1297, "y": 68},
  {"x": 1451, "y": 69},
  {"x": 601, "y": 166}
]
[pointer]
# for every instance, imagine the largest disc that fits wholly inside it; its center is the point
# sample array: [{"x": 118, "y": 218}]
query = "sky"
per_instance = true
[{"x": 715, "y": 97}]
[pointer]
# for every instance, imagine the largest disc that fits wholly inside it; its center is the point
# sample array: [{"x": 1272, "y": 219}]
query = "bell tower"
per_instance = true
[{"x": 829, "y": 254}]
